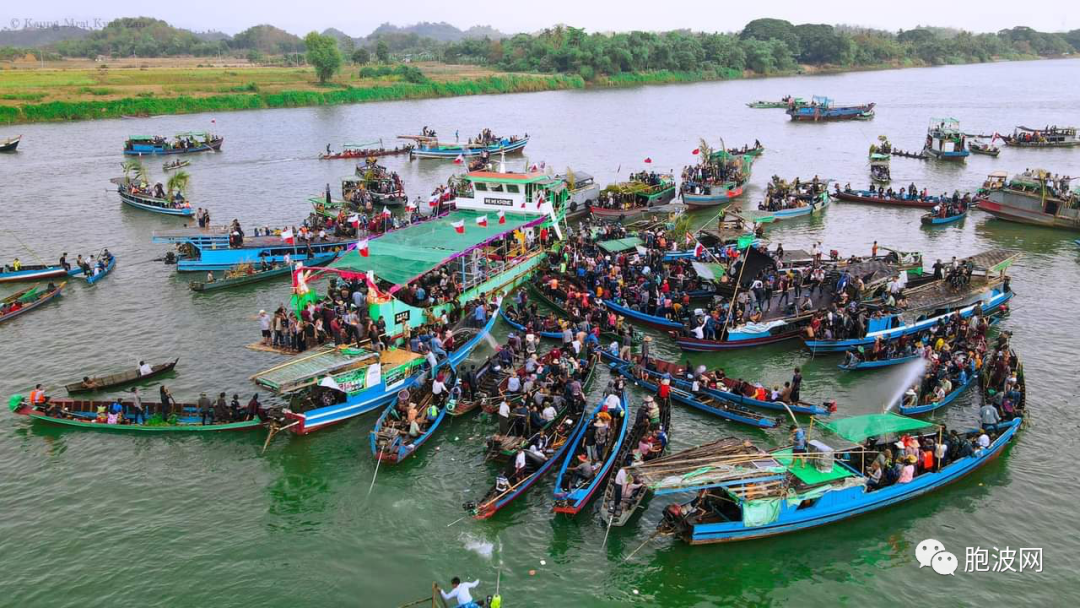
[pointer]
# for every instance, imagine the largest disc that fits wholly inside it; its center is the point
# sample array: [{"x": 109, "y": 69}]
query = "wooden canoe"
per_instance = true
[{"x": 120, "y": 379}]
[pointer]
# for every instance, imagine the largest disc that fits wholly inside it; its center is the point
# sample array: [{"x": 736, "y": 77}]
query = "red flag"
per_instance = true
[
  {"x": 460, "y": 159},
  {"x": 540, "y": 199},
  {"x": 688, "y": 239},
  {"x": 362, "y": 247},
  {"x": 459, "y": 227},
  {"x": 648, "y": 160},
  {"x": 434, "y": 201},
  {"x": 386, "y": 212},
  {"x": 482, "y": 221},
  {"x": 502, "y": 217},
  {"x": 698, "y": 250},
  {"x": 696, "y": 151},
  {"x": 355, "y": 220},
  {"x": 287, "y": 236}
]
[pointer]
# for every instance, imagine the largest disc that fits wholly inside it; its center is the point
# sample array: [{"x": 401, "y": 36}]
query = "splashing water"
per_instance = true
[
  {"x": 912, "y": 371},
  {"x": 490, "y": 341},
  {"x": 482, "y": 548}
]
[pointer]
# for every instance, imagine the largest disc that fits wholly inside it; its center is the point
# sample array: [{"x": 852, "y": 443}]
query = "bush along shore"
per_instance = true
[{"x": 150, "y": 106}]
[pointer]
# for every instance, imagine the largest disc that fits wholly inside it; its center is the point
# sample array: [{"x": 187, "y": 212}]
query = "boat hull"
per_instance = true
[
  {"x": 36, "y": 274},
  {"x": 43, "y": 301},
  {"x": 930, "y": 407},
  {"x": 94, "y": 278},
  {"x": 152, "y": 150},
  {"x": 571, "y": 503},
  {"x": 1015, "y": 207},
  {"x": 863, "y": 196},
  {"x": 723, "y": 197},
  {"x": 931, "y": 220},
  {"x": 143, "y": 204},
  {"x": 453, "y": 152},
  {"x": 10, "y": 145}
]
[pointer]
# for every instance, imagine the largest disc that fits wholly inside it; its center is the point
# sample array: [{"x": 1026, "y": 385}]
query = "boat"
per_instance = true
[
  {"x": 986, "y": 149},
  {"x": 784, "y": 202},
  {"x": 584, "y": 192},
  {"x": 431, "y": 147},
  {"x": 27, "y": 300},
  {"x": 935, "y": 219},
  {"x": 557, "y": 438},
  {"x": 96, "y": 276},
  {"x": 704, "y": 402},
  {"x": 10, "y": 144},
  {"x": 642, "y": 318},
  {"x": 880, "y": 158},
  {"x": 945, "y": 140},
  {"x": 748, "y": 493},
  {"x": 924, "y": 408},
  {"x": 141, "y": 196},
  {"x": 917, "y": 156},
  {"x": 510, "y": 316},
  {"x": 822, "y": 109},
  {"x": 619, "y": 511},
  {"x": 785, "y": 102},
  {"x": 190, "y": 142},
  {"x": 247, "y": 273},
  {"x": 878, "y": 363},
  {"x": 756, "y": 150},
  {"x": 374, "y": 181},
  {"x": 179, "y": 163},
  {"x": 100, "y": 383},
  {"x": 557, "y": 303},
  {"x": 363, "y": 151},
  {"x": 1033, "y": 197},
  {"x": 727, "y": 175},
  {"x": 1047, "y": 137},
  {"x": 208, "y": 249},
  {"x": 632, "y": 198},
  {"x": 391, "y": 439},
  {"x": 877, "y": 197},
  {"x": 489, "y": 377},
  {"x": 572, "y": 496},
  {"x": 83, "y": 414},
  {"x": 8, "y": 273}
]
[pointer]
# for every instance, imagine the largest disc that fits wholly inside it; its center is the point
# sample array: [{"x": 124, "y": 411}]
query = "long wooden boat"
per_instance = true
[
  {"x": 620, "y": 512},
  {"x": 94, "y": 278},
  {"x": 984, "y": 149},
  {"x": 571, "y": 498},
  {"x": 429, "y": 147},
  {"x": 879, "y": 363},
  {"x": 154, "y": 205},
  {"x": 559, "y": 309},
  {"x": 35, "y": 273},
  {"x": 357, "y": 152},
  {"x": 257, "y": 276},
  {"x": 100, "y": 383},
  {"x": 142, "y": 145},
  {"x": 176, "y": 164},
  {"x": 508, "y": 316},
  {"x": 82, "y": 414},
  {"x": 10, "y": 144},
  {"x": 558, "y": 438},
  {"x": 706, "y": 403},
  {"x": 390, "y": 439},
  {"x": 821, "y": 109},
  {"x": 735, "y": 511},
  {"x": 641, "y": 318},
  {"x": 924, "y": 408},
  {"x": 932, "y": 219},
  {"x": 489, "y": 376},
  {"x": 865, "y": 196},
  {"x": 1057, "y": 137},
  {"x": 816, "y": 205},
  {"x": 40, "y": 299}
]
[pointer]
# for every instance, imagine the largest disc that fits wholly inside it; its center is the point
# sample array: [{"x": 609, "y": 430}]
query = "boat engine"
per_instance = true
[{"x": 170, "y": 258}]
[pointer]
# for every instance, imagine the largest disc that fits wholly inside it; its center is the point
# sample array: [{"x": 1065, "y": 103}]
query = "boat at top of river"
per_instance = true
[
  {"x": 717, "y": 179},
  {"x": 486, "y": 143},
  {"x": 364, "y": 151},
  {"x": 784, "y": 200},
  {"x": 190, "y": 142},
  {"x": 632, "y": 198},
  {"x": 1034, "y": 197},
  {"x": 785, "y": 102},
  {"x": 822, "y": 109},
  {"x": 10, "y": 144},
  {"x": 209, "y": 249},
  {"x": 1047, "y": 137},
  {"x": 945, "y": 141}
]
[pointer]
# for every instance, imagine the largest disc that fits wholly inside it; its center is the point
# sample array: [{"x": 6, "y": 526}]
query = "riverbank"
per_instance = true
[{"x": 87, "y": 92}]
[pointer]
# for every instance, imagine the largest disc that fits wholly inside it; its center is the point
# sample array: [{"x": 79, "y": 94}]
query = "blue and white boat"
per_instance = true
[
  {"x": 823, "y": 109},
  {"x": 913, "y": 410},
  {"x": 893, "y": 325},
  {"x": 94, "y": 278},
  {"x": 641, "y": 318},
  {"x": 191, "y": 142},
  {"x": 206, "y": 249},
  {"x": 706, "y": 403},
  {"x": 430, "y": 147},
  {"x": 817, "y": 204},
  {"x": 390, "y": 439},
  {"x": 153, "y": 204},
  {"x": 760, "y": 494},
  {"x": 933, "y": 219},
  {"x": 945, "y": 140},
  {"x": 879, "y": 363},
  {"x": 8, "y": 274},
  {"x": 550, "y": 335},
  {"x": 571, "y": 498}
]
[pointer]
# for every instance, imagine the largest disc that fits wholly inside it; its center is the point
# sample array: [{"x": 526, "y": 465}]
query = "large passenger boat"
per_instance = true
[
  {"x": 1033, "y": 197},
  {"x": 183, "y": 143},
  {"x": 945, "y": 141}
]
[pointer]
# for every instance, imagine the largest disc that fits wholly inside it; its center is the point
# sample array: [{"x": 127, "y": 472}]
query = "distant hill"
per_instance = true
[
  {"x": 267, "y": 39},
  {"x": 30, "y": 38},
  {"x": 212, "y": 36},
  {"x": 442, "y": 31}
]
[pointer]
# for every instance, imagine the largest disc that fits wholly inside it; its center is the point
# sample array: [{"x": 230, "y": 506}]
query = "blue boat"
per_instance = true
[
  {"x": 822, "y": 109},
  {"x": 29, "y": 299},
  {"x": 752, "y": 499},
  {"x": 705, "y": 403},
  {"x": 945, "y": 140},
  {"x": 505, "y": 314},
  {"x": 641, "y": 318},
  {"x": 429, "y": 147},
  {"x": 879, "y": 363},
  {"x": 94, "y": 278},
  {"x": 880, "y": 328},
  {"x": 570, "y": 501},
  {"x": 390, "y": 440},
  {"x": 932, "y": 219},
  {"x": 348, "y": 382},
  {"x": 8, "y": 274},
  {"x": 183, "y": 143},
  {"x": 815, "y": 206},
  {"x": 206, "y": 249},
  {"x": 929, "y": 407},
  {"x": 154, "y": 205}
]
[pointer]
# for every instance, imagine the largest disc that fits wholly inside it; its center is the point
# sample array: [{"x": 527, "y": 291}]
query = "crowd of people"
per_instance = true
[
  {"x": 633, "y": 193},
  {"x": 953, "y": 352},
  {"x": 717, "y": 171},
  {"x": 780, "y": 194},
  {"x": 154, "y": 195}
]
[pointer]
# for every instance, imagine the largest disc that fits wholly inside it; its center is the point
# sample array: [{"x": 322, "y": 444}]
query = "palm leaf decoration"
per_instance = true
[
  {"x": 178, "y": 182},
  {"x": 134, "y": 168},
  {"x": 705, "y": 150},
  {"x": 570, "y": 179}
]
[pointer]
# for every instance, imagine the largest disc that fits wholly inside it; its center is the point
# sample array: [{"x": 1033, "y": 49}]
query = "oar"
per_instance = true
[
  {"x": 654, "y": 535},
  {"x": 378, "y": 460},
  {"x": 456, "y": 521},
  {"x": 611, "y": 518}
]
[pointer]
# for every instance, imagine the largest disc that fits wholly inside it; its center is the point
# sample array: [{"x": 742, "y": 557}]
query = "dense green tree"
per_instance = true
[
  {"x": 382, "y": 51},
  {"x": 772, "y": 29},
  {"x": 361, "y": 56},
  {"x": 322, "y": 52}
]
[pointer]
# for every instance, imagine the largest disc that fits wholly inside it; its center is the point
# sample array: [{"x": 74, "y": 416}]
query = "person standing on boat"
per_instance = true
[
  {"x": 166, "y": 402},
  {"x": 460, "y": 592},
  {"x": 139, "y": 416},
  {"x": 796, "y": 385},
  {"x": 205, "y": 410}
]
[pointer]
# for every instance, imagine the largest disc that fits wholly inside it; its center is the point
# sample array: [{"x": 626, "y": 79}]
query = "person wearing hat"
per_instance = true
[
  {"x": 907, "y": 471},
  {"x": 798, "y": 439},
  {"x": 582, "y": 473},
  {"x": 645, "y": 346},
  {"x": 664, "y": 392},
  {"x": 205, "y": 409}
]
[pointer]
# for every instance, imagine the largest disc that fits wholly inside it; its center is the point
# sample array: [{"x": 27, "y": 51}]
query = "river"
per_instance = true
[{"x": 93, "y": 519}]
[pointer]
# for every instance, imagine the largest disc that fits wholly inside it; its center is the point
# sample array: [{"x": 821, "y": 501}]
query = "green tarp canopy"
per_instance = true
[
  {"x": 807, "y": 470},
  {"x": 620, "y": 245},
  {"x": 857, "y": 428},
  {"x": 404, "y": 254},
  {"x": 708, "y": 270}
]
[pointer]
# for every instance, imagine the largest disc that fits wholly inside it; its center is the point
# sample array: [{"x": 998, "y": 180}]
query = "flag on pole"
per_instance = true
[
  {"x": 482, "y": 221},
  {"x": 362, "y": 247},
  {"x": 502, "y": 217},
  {"x": 434, "y": 201},
  {"x": 459, "y": 226},
  {"x": 648, "y": 160},
  {"x": 460, "y": 159},
  {"x": 287, "y": 236},
  {"x": 696, "y": 151},
  {"x": 386, "y": 212},
  {"x": 540, "y": 199},
  {"x": 698, "y": 250},
  {"x": 354, "y": 219}
]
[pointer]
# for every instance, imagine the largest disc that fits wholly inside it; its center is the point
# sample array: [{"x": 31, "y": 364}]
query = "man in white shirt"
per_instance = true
[
  {"x": 438, "y": 388},
  {"x": 549, "y": 412},
  {"x": 460, "y": 591},
  {"x": 613, "y": 403},
  {"x": 145, "y": 369},
  {"x": 504, "y": 417}
]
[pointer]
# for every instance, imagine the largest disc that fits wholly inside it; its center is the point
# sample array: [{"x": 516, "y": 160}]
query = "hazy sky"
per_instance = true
[{"x": 359, "y": 18}]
